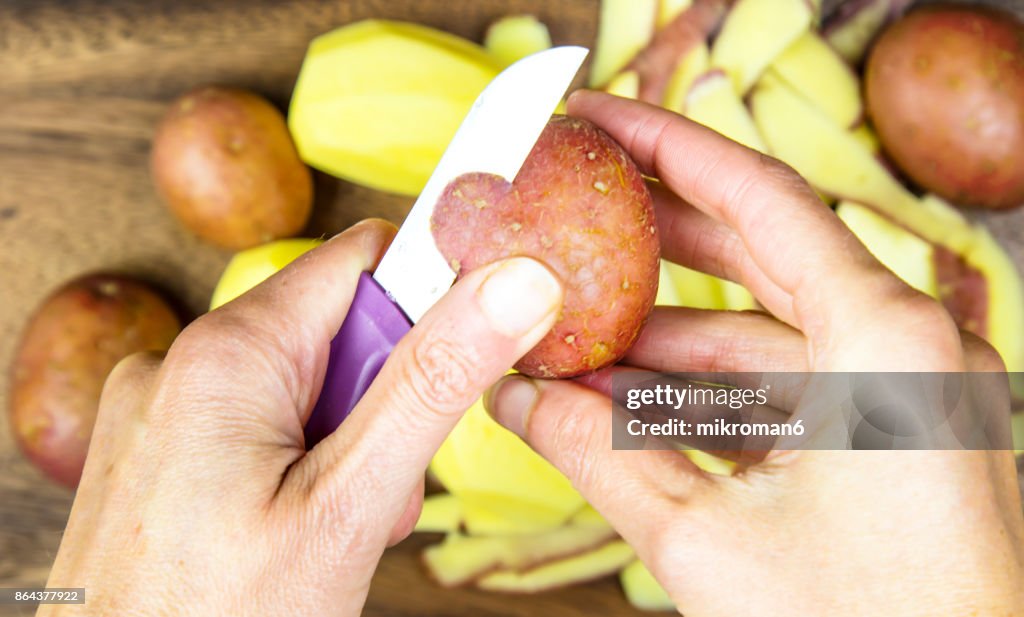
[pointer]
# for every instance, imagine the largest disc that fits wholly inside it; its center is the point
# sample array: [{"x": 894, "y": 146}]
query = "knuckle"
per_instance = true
[
  {"x": 440, "y": 376},
  {"x": 769, "y": 168},
  {"x": 750, "y": 184},
  {"x": 925, "y": 321},
  {"x": 198, "y": 334},
  {"x": 216, "y": 336},
  {"x": 571, "y": 436},
  {"x": 658, "y": 125},
  {"x": 338, "y": 493},
  {"x": 928, "y": 312},
  {"x": 769, "y": 176},
  {"x": 134, "y": 366},
  {"x": 982, "y": 356},
  {"x": 724, "y": 250}
]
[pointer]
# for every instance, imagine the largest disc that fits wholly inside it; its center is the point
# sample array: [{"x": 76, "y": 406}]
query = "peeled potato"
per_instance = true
[
  {"x": 224, "y": 163},
  {"x": 377, "y": 101},
  {"x": 945, "y": 89},
  {"x": 579, "y": 205},
  {"x": 251, "y": 267},
  {"x": 69, "y": 347}
]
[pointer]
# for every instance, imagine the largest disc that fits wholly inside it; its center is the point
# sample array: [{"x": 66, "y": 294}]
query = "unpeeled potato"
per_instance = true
[
  {"x": 945, "y": 89},
  {"x": 579, "y": 205},
  {"x": 70, "y": 345},
  {"x": 225, "y": 164}
]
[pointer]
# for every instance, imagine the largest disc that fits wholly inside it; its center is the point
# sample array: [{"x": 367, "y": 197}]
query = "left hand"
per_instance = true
[{"x": 198, "y": 495}]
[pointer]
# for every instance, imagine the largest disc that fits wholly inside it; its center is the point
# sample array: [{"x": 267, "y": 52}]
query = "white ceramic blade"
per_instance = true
[{"x": 495, "y": 137}]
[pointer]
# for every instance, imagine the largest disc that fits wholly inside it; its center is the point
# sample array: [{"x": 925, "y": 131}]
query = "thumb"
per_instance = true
[{"x": 465, "y": 343}]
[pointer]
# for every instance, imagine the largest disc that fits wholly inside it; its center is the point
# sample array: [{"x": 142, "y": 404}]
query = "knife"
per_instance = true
[{"x": 495, "y": 137}]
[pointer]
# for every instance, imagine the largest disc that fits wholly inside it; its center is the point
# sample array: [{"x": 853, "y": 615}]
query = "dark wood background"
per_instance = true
[{"x": 82, "y": 83}]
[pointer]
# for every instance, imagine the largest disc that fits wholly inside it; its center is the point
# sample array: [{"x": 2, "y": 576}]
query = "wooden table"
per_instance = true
[{"x": 82, "y": 83}]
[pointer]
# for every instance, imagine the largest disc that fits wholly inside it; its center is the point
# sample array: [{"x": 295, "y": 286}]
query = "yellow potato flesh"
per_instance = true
[
  {"x": 695, "y": 63},
  {"x": 670, "y": 9},
  {"x": 906, "y": 255},
  {"x": 587, "y": 566},
  {"x": 516, "y": 36},
  {"x": 251, "y": 267},
  {"x": 754, "y": 33},
  {"x": 377, "y": 102},
  {"x": 504, "y": 486},
  {"x": 815, "y": 70},
  {"x": 460, "y": 558},
  {"x": 837, "y": 163},
  {"x": 642, "y": 589},
  {"x": 713, "y": 103},
  {"x": 625, "y": 27},
  {"x": 440, "y": 513},
  {"x": 625, "y": 84}
]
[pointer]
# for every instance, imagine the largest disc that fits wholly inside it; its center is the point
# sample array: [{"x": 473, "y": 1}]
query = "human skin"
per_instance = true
[
  {"x": 198, "y": 496},
  {"x": 802, "y": 532}
]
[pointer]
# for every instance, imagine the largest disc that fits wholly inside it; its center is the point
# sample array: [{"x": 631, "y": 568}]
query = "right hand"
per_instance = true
[{"x": 803, "y": 532}]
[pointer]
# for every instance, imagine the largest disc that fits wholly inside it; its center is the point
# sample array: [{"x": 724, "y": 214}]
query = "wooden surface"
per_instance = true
[{"x": 81, "y": 85}]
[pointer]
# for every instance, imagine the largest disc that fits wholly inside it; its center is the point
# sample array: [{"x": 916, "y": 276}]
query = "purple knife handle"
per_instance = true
[{"x": 372, "y": 328}]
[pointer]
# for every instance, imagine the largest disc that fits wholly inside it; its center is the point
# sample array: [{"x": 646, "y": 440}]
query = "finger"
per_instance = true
[
  {"x": 679, "y": 340},
  {"x": 258, "y": 361},
  {"x": 761, "y": 199},
  {"x": 462, "y": 345},
  {"x": 571, "y": 426},
  {"x": 842, "y": 294},
  {"x": 119, "y": 424},
  {"x": 981, "y": 356},
  {"x": 122, "y": 404},
  {"x": 693, "y": 239}
]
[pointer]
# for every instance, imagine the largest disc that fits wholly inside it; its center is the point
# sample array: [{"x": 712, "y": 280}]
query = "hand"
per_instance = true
[
  {"x": 198, "y": 496},
  {"x": 802, "y": 533}
]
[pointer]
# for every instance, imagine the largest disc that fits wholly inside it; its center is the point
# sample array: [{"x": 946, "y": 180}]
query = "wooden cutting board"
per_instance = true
[{"x": 82, "y": 83}]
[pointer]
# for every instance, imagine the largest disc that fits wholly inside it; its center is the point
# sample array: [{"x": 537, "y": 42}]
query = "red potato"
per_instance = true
[
  {"x": 224, "y": 162},
  {"x": 945, "y": 89},
  {"x": 581, "y": 206},
  {"x": 68, "y": 348}
]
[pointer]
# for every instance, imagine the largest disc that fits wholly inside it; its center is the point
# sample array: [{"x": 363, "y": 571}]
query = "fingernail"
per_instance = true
[
  {"x": 510, "y": 402},
  {"x": 520, "y": 294}
]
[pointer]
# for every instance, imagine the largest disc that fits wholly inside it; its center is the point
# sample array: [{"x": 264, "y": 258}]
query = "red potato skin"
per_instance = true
[
  {"x": 656, "y": 62},
  {"x": 581, "y": 206},
  {"x": 69, "y": 347},
  {"x": 225, "y": 164},
  {"x": 945, "y": 89},
  {"x": 963, "y": 291}
]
